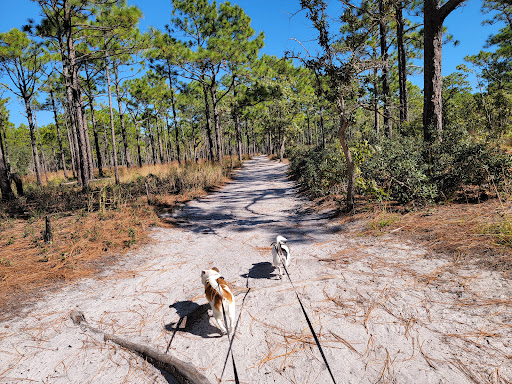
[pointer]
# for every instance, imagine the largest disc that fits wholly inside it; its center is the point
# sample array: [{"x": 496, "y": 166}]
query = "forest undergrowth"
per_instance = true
[
  {"x": 89, "y": 229},
  {"x": 459, "y": 207}
]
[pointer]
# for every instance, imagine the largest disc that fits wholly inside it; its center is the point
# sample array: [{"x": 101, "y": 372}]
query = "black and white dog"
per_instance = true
[{"x": 280, "y": 254}]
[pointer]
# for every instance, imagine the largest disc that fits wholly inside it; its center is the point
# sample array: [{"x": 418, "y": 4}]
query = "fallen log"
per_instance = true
[{"x": 183, "y": 372}]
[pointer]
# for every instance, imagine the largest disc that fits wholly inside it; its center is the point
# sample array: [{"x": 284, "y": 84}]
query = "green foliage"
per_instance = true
[
  {"x": 409, "y": 172},
  {"x": 460, "y": 160},
  {"x": 318, "y": 171},
  {"x": 397, "y": 167},
  {"x": 502, "y": 231}
]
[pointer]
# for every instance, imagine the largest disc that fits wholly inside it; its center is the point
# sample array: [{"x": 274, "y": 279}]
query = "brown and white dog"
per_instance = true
[{"x": 218, "y": 294}]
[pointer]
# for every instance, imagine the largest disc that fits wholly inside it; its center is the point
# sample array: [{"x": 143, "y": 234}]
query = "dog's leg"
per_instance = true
[{"x": 219, "y": 322}]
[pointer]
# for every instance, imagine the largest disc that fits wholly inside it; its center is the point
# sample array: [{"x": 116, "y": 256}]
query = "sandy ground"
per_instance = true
[{"x": 384, "y": 311}]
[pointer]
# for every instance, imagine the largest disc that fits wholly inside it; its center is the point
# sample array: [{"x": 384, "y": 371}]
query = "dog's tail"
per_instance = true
[
  {"x": 281, "y": 239},
  {"x": 212, "y": 280}
]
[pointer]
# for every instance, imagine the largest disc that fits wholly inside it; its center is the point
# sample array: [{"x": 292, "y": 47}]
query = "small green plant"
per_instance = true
[
  {"x": 28, "y": 231},
  {"x": 11, "y": 240},
  {"x": 129, "y": 243},
  {"x": 502, "y": 231},
  {"x": 4, "y": 261},
  {"x": 383, "y": 220}
]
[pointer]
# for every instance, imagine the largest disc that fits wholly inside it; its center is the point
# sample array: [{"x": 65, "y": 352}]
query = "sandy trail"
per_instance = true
[{"x": 384, "y": 311}]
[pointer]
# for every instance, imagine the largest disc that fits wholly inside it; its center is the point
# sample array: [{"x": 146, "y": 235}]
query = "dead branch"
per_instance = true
[{"x": 184, "y": 372}]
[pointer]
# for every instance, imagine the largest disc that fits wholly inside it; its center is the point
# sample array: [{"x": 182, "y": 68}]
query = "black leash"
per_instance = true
[
  {"x": 310, "y": 325},
  {"x": 230, "y": 340},
  {"x": 174, "y": 333},
  {"x": 233, "y": 338}
]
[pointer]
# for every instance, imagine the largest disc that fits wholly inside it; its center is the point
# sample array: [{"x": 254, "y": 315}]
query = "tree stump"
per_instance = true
[{"x": 47, "y": 236}]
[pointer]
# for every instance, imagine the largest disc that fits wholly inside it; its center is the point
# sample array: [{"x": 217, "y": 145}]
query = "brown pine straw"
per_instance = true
[{"x": 79, "y": 248}]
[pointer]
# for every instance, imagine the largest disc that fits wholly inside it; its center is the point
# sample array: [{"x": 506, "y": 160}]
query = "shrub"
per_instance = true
[
  {"x": 458, "y": 160},
  {"x": 318, "y": 171},
  {"x": 398, "y": 168}
]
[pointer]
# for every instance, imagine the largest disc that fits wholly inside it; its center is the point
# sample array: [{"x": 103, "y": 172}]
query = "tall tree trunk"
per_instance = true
[
  {"x": 112, "y": 127},
  {"x": 33, "y": 142},
  {"x": 90, "y": 159},
  {"x": 96, "y": 138},
  {"x": 59, "y": 136},
  {"x": 342, "y": 135},
  {"x": 376, "y": 115},
  {"x": 216, "y": 121},
  {"x": 3, "y": 143},
  {"x": 174, "y": 118},
  {"x": 152, "y": 141},
  {"x": 43, "y": 159},
  {"x": 281, "y": 146},
  {"x": 434, "y": 16},
  {"x": 322, "y": 128},
  {"x": 5, "y": 182},
  {"x": 159, "y": 141},
  {"x": 137, "y": 134},
  {"x": 238, "y": 128},
  {"x": 121, "y": 115},
  {"x": 248, "y": 138},
  {"x": 211, "y": 154},
  {"x": 402, "y": 61},
  {"x": 82, "y": 154},
  {"x": 72, "y": 119},
  {"x": 71, "y": 150},
  {"x": 383, "y": 27}
]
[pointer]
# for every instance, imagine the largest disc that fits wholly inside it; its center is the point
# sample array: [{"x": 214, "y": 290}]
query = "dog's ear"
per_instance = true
[
  {"x": 215, "y": 269},
  {"x": 203, "y": 272}
]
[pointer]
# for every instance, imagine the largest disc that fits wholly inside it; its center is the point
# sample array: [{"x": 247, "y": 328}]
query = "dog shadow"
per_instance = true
[
  {"x": 263, "y": 270},
  {"x": 193, "y": 319}
]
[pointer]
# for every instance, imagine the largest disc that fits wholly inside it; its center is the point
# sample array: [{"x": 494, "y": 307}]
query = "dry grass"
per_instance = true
[
  {"x": 90, "y": 230},
  {"x": 81, "y": 244},
  {"x": 466, "y": 232},
  {"x": 477, "y": 233}
]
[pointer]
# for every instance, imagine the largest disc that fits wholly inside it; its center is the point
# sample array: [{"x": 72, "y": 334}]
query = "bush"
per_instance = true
[
  {"x": 318, "y": 171},
  {"x": 398, "y": 168},
  {"x": 408, "y": 171},
  {"x": 403, "y": 168},
  {"x": 458, "y": 160}
]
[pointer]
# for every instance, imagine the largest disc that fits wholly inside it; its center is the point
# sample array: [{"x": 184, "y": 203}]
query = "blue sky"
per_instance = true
[{"x": 277, "y": 20}]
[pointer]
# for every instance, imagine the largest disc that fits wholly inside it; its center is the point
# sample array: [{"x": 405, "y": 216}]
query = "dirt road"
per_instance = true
[{"x": 384, "y": 311}]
